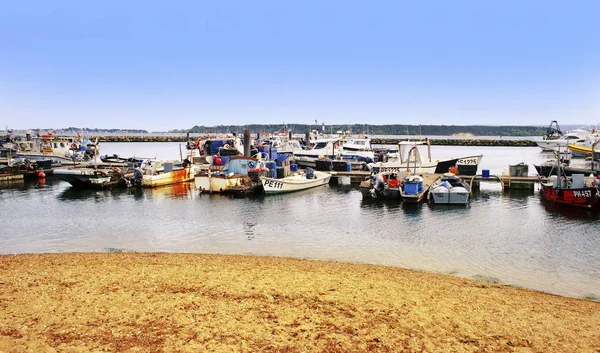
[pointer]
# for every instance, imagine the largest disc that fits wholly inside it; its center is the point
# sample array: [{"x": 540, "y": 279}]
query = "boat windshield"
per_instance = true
[{"x": 239, "y": 166}]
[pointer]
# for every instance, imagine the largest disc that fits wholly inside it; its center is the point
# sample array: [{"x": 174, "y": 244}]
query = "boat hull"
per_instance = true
[
  {"x": 168, "y": 178},
  {"x": 468, "y": 165},
  {"x": 385, "y": 194},
  {"x": 582, "y": 151},
  {"x": 85, "y": 178},
  {"x": 454, "y": 196},
  {"x": 294, "y": 183},
  {"x": 57, "y": 160},
  {"x": 587, "y": 197},
  {"x": 421, "y": 168},
  {"x": 218, "y": 183},
  {"x": 551, "y": 145}
]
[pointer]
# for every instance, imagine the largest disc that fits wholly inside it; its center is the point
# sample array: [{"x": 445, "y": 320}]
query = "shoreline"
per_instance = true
[{"x": 203, "y": 302}]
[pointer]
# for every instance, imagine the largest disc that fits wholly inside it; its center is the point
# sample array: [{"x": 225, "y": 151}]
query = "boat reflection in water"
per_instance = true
[
  {"x": 175, "y": 191},
  {"x": 568, "y": 212}
]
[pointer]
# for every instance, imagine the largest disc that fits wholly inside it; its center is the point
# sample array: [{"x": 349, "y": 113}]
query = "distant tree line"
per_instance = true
[
  {"x": 94, "y": 130},
  {"x": 394, "y": 129}
]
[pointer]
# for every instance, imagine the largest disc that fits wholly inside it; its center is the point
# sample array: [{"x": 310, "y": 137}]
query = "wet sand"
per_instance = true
[{"x": 137, "y": 302}]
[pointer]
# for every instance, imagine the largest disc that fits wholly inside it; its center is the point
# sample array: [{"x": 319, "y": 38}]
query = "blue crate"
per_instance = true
[{"x": 411, "y": 188}]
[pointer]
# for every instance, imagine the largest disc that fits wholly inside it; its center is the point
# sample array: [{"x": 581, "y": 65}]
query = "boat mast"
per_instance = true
[{"x": 594, "y": 153}]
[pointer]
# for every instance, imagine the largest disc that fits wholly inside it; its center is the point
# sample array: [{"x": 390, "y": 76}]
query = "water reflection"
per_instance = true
[
  {"x": 568, "y": 212},
  {"x": 12, "y": 184},
  {"x": 181, "y": 191},
  {"x": 373, "y": 203}
]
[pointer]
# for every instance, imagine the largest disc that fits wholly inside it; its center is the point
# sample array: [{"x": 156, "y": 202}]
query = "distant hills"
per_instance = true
[
  {"x": 368, "y": 129},
  {"x": 393, "y": 129}
]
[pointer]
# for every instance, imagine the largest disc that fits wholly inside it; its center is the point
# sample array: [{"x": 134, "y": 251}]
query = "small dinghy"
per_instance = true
[{"x": 450, "y": 189}]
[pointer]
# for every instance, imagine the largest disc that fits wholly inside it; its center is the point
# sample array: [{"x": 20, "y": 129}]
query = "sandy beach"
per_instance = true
[{"x": 157, "y": 302}]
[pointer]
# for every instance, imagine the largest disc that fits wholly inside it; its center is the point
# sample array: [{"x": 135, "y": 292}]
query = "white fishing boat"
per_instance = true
[
  {"x": 238, "y": 176},
  {"x": 360, "y": 143},
  {"x": 449, "y": 189},
  {"x": 299, "y": 181},
  {"x": 409, "y": 159}
]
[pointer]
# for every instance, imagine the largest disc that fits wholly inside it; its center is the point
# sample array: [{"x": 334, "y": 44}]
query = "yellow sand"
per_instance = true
[{"x": 137, "y": 302}]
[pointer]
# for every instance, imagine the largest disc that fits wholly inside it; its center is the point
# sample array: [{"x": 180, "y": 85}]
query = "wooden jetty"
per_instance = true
[
  {"x": 506, "y": 181},
  {"x": 356, "y": 176}
]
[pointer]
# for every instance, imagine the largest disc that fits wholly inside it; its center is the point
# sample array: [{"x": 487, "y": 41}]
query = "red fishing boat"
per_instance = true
[
  {"x": 575, "y": 190},
  {"x": 588, "y": 197}
]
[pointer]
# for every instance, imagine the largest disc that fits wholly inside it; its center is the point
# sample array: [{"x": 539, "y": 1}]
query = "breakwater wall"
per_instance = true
[
  {"x": 139, "y": 138},
  {"x": 462, "y": 142},
  {"x": 376, "y": 141}
]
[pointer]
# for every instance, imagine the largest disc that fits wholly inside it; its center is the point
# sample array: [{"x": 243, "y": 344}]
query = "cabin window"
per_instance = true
[
  {"x": 62, "y": 144},
  {"x": 320, "y": 145},
  {"x": 55, "y": 145}
]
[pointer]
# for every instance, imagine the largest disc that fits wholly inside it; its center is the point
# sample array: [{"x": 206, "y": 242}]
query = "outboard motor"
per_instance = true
[
  {"x": 138, "y": 174},
  {"x": 310, "y": 173}
]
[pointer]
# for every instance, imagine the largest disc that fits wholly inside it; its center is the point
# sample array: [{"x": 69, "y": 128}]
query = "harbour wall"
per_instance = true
[{"x": 376, "y": 141}]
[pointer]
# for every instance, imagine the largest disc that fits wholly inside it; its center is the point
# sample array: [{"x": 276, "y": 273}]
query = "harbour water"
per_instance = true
[{"x": 510, "y": 237}]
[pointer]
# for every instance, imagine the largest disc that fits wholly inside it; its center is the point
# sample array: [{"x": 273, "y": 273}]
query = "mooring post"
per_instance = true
[{"x": 247, "y": 143}]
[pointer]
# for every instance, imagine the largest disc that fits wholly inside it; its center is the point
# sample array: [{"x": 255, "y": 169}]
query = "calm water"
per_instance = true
[{"x": 511, "y": 237}]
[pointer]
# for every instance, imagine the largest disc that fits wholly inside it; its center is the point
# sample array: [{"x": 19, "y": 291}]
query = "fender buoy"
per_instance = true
[
  {"x": 218, "y": 161},
  {"x": 41, "y": 174}
]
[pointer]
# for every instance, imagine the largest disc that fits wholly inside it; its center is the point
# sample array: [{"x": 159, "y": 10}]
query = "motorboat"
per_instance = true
[
  {"x": 115, "y": 158},
  {"x": 449, "y": 189},
  {"x": 585, "y": 148},
  {"x": 382, "y": 186},
  {"x": 332, "y": 148},
  {"x": 555, "y": 140},
  {"x": 93, "y": 178},
  {"x": 413, "y": 189},
  {"x": 298, "y": 181},
  {"x": 360, "y": 143}
]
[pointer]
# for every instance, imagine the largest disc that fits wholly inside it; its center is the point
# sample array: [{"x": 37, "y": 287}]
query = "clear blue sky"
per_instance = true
[{"x": 134, "y": 64}]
